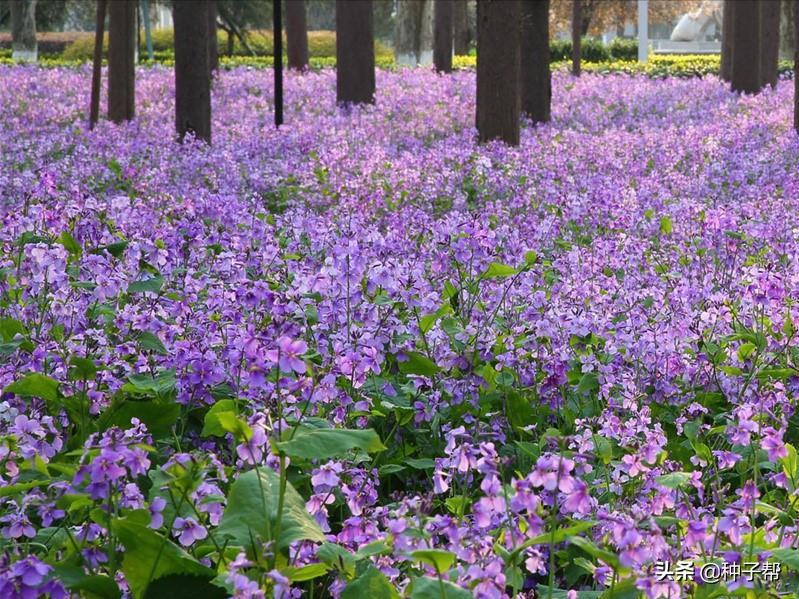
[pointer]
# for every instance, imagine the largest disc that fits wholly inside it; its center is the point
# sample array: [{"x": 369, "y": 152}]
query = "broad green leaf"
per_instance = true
[
  {"x": 35, "y": 385},
  {"x": 150, "y": 556},
  {"x": 557, "y": 536},
  {"x": 591, "y": 549},
  {"x": 790, "y": 464},
  {"x": 10, "y": 328},
  {"x": 98, "y": 586},
  {"x": 212, "y": 427},
  {"x": 372, "y": 584},
  {"x": 159, "y": 416},
  {"x": 420, "y": 463},
  {"x": 115, "y": 249},
  {"x": 787, "y": 556},
  {"x": 162, "y": 382},
  {"x": 150, "y": 342},
  {"x": 251, "y": 512},
  {"x": 184, "y": 586},
  {"x": 69, "y": 243},
  {"x": 437, "y": 558},
  {"x": 337, "y": 557},
  {"x": 418, "y": 364},
  {"x": 666, "y": 225},
  {"x": 673, "y": 480},
  {"x": 152, "y": 285},
  {"x": 324, "y": 443},
  {"x": 81, "y": 369},
  {"x": 433, "y": 588},
  {"x": 308, "y": 572},
  {"x": 497, "y": 270}
]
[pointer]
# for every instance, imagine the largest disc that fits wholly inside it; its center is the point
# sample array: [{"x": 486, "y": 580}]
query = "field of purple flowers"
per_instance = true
[{"x": 363, "y": 357}]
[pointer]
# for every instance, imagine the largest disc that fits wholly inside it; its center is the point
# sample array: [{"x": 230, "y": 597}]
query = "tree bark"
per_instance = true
[
  {"x": 192, "y": 74},
  {"x": 769, "y": 42},
  {"x": 536, "y": 79},
  {"x": 787, "y": 34},
  {"x": 728, "y": 17},
  {"x": 407, "y": 32},
  {"x": 498, "y": 70},
  {"x": 461, "y": 27},
  {"x": 296, "y": 35},
  {"x": 424, "y": 52},
  {"x": 577, "y": 35},
  {"x": 122, "y": 60},
  {"x": 277, "y": 64},
  {"x": 355, "y": 55},
  {"x": 746, "y": 47},
  {"x": 213, "y": 44},
  {"x": 442, "y": 36},
  {"x": 23, "y": 30},
  {"x": 97, "y": 64},
  {"x": 795, "y": 78}
]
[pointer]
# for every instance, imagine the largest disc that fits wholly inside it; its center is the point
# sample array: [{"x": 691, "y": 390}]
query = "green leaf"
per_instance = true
[
  {"x": 150, "y": 556},
  {"x": 666, "y": 225},
  {"x": 150, "y": 342},
  {"x": 790, "y": 464},
  {"x": 10, "y": 328},
  {"x": 212, "y": 426},
  {"x": 35, "y": 385},
  {"x": 372, "y": 584},
  {"x": 603, "y": 448},
  {"x": 152, "y": 285},
  {"x": 184, "y": 586},
  {"x": 251, "y": 512},
  {"x": 158, "y": 415},
  {"x": 439, "y": 559},
  {"x": 543, "y": 591},
  {"x": 589, "y": 383},
  {"x": 420, "y": 463},
  {"x": 308, "y": 572},
  {"x": 432, "y": 588},
  {"x": 497, "y": 270},
  {"x": 115, "y": 249},
  {"x": 161, "y": 383},
  {"x": 321, "y": 443},
  {"x": 557, "y": 536},
  {"x": 418, "y": 364},
  {"x": 337, "y": 557},
  {"x": 98, "y": 586},
  {"x": 591, "y": 549},
  {"x": 673, "y": 480},
  {"x": 81, "y": 369},
  {"x": 787, "y": 556},
  {"x": 69, "y": 243},
  {"x": 745, "y": 350}
]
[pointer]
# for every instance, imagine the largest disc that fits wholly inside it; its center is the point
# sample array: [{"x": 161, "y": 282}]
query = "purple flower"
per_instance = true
[
  {"x": 287, "y": 355},
  {"x": 156, "y": 508},
  {"x": 189, "y": 531}
]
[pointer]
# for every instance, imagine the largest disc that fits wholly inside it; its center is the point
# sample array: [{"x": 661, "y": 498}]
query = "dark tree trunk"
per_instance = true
[
  {"x": 536, "y": 80},
  {"x": 296, "y": 35},
  {"x": 121, "y": 60},
  {"x": 461, "y": 27},
  {"x": 97, "y": 64},
  {"x": 277, "y": 36},
  {"x": 577, "y": 37},
  {"x": 769, "y": 42},
  {"x": 787, "y": 34},
  {"x": 23, "y": 30},
  {"x": 192, "y": 75},
  {"x": 746, "y": 47},
  {"x": 796, "y": 62},
  {"x": 213, "y": 45},
  {"x": 442, "y": 35},
  {"x": 726, "y": 40},
  {"x": 355, "y": 55},
  {"x": 498, "y": 70}
]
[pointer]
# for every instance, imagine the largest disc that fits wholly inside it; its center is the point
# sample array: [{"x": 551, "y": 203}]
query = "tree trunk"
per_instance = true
[
  {"x": 277, "y": 64},
  {"x": 424, "y": 52},
  {"x": 97, "y": 64},
  {"x": 23, "y": 30},
  {"x": 121, "y": 60},
  {"x": 795, "y": 78},
  {"x": 407, "y": 32},
  {"x": 461, "y": 27},
  {"x": 442, "y": 45},
  {"x": 577, "y": 28},
  {"x": 498, "y": 70},
  {"x": 355, "y": 55},
  {"x": 728, "y": 17},
  {"x": 296, "y": 35},
  {"x": 746, "y": 47},
  {"x": 192, "y": 75},
  {"x": 213, "y": 44},
  {"x": 787, "y": 34},
  {"x": 536, "y": 80},
  {"x": 769, "y": 42}
]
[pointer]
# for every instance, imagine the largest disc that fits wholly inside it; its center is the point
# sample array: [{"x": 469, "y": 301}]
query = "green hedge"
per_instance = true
[
  {"x": 592, "y": 50},
  {"x": 320, "y": 43}
]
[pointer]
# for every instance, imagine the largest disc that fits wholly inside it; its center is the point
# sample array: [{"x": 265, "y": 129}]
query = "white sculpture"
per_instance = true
[{"x": 693, "y": 25}]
